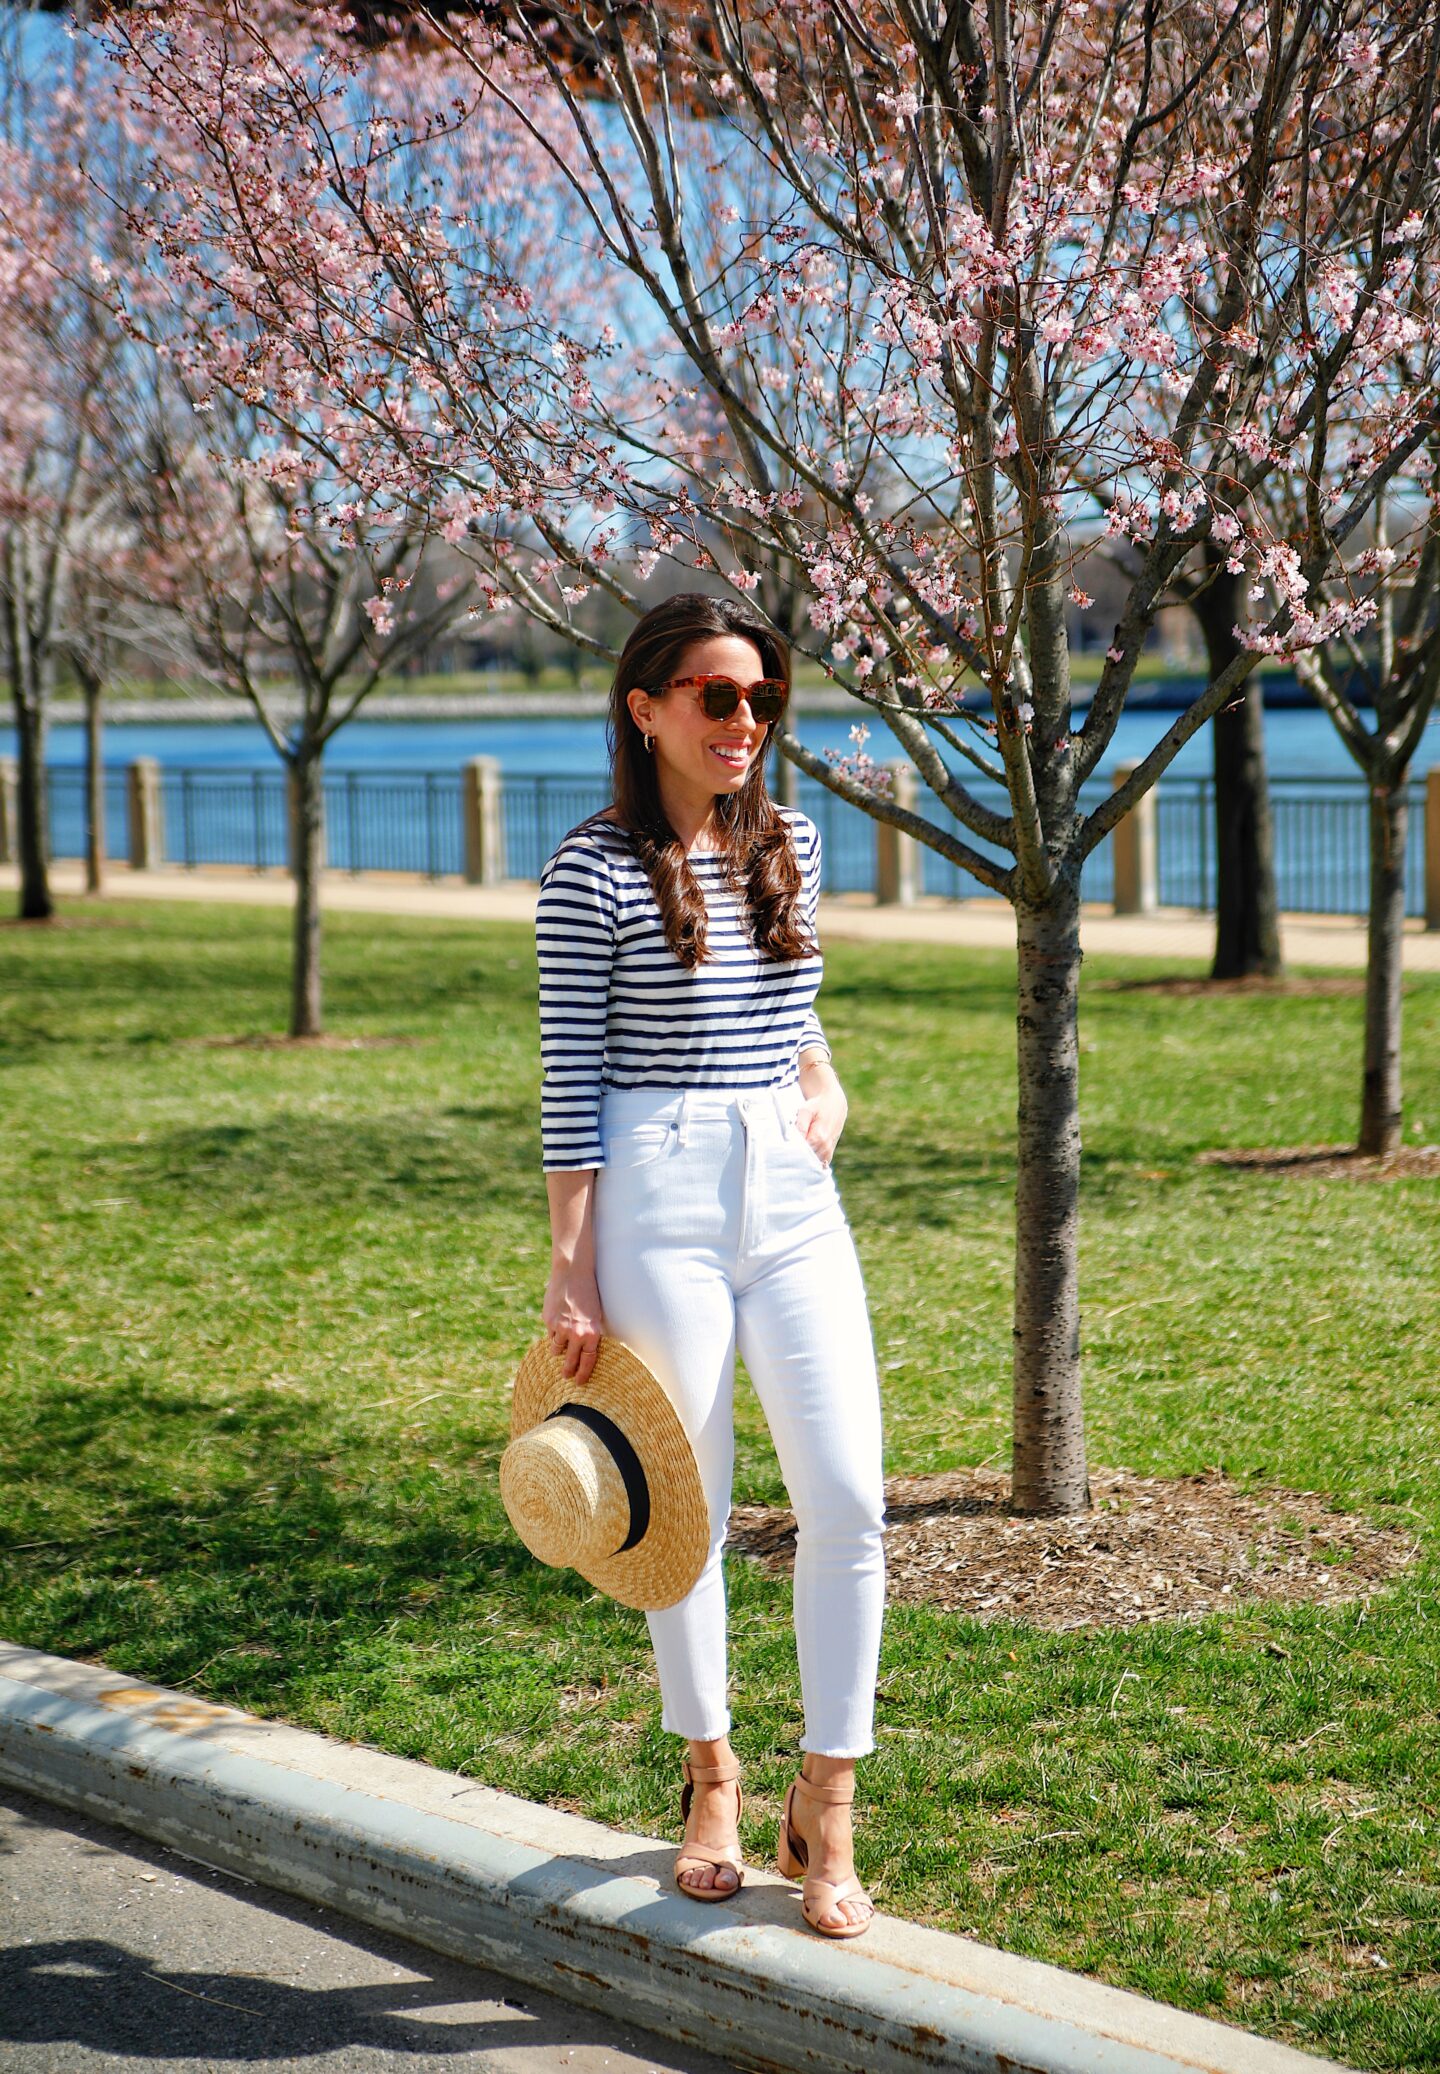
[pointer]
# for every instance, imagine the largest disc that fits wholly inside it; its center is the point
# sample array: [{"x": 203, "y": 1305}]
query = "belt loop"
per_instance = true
[{"x": 682, "y": 1122}]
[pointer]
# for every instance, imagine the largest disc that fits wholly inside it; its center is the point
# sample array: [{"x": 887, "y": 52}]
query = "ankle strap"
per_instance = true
[
  {"x": 838, "y": 1793},
  {"x": 728, "y": 1768}
]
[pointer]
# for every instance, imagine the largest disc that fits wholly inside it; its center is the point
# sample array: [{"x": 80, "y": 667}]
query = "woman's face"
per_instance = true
[{"x": 699, "y": 757}]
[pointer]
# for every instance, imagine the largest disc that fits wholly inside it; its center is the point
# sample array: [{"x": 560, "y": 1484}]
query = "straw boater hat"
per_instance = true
[{"x": 603, "y": 1479}]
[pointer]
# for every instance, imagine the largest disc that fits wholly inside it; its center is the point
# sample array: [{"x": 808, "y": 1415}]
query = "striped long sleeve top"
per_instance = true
[{"x": 618, "y": 1009}]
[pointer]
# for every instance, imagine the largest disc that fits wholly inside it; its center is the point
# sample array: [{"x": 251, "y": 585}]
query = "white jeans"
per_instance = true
[{"x": 716, "y": 1225}]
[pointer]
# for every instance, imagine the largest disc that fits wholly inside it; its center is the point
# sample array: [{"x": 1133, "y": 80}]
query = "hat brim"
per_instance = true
[{"x": 663, "y": 1565}]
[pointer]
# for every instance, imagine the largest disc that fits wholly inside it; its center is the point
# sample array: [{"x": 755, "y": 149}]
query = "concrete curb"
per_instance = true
[{"x": 564, "y": 1904}]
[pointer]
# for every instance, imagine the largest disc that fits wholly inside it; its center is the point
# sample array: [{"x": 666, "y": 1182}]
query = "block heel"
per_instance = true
[{"x": 792, "y": 1854}]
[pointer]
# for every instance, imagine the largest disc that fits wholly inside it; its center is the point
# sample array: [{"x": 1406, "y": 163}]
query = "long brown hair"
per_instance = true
[{"x": 752, "y": 836}]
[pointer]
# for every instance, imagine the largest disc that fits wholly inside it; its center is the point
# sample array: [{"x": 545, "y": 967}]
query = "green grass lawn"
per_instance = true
[{"x": 259, "y": 1311}]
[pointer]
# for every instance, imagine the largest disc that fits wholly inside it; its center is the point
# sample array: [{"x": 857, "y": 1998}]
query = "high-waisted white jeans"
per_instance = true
[{"x": 717, "y": 1226}]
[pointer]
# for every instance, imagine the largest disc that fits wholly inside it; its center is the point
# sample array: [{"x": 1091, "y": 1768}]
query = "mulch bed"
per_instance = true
[
  {"x": 1253, "y": 983},
  {"x": 1329, "y": 1162},
  {"x": 1152, "y": 1548}
]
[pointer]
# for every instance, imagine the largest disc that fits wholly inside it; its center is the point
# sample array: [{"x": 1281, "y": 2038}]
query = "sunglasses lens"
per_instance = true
[{"x": 721, "y": 695}]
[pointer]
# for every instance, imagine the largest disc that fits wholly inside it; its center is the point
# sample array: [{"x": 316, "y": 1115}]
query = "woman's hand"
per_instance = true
[
  {"x": 821, "y": 1116},
  {"x": 573, "y": 1319},
  {"x": 571, "y": 1310}
]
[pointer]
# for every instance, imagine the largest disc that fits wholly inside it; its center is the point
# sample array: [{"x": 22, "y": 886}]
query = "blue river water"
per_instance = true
[
  {"x": 1300, "y": 743},
  {"x": 394, "y": 801}
]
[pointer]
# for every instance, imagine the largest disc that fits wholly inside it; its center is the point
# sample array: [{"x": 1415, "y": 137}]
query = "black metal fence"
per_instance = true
[
  {"x": 414, "y": 822},
  {"x": 1322, "y": 844}
]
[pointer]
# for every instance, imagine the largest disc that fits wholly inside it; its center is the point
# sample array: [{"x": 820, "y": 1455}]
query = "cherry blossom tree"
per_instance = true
[
  {"x": 68, "y": 593},
  {"x": 1247, "y": 904},
  {"x": 105, "y": 620},
  {"x": 58, "y": 500},
  {"x": 278, "y": 590},
  {"x": 1382, "y": 654},
  {"x": 1026, "y": 263},
  {"x": 227, "y": 552},
  {"x": 1399, "y": 669}
]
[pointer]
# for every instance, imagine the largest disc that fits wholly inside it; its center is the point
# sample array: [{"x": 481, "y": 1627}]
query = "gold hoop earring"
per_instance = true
[{"x": 649, "y": 745}]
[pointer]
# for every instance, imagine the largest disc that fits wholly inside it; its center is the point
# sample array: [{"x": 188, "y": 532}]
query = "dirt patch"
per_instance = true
[
  {"x": 1153, "y": 1548},
  {"x": 1329, "y": 1162},
  {"x": 1253, "y": 983},
  {"x": 270, "y": 1041}
]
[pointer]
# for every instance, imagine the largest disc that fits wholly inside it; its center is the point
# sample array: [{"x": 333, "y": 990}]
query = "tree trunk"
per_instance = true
[
  {"x": 1247, "y": 906},
  {"x": 91, "y": 685},
  {"x": 27, "y": 686},
  {"x": 307, "y": 801},
  {"x": 36, "y": 902},
  {"x": 1380, "y": 1105},
  {"x": 1048, "y": 1452}
]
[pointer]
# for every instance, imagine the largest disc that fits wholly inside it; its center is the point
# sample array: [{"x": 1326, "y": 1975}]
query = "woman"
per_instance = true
[{"x": 690, "y": 1113}]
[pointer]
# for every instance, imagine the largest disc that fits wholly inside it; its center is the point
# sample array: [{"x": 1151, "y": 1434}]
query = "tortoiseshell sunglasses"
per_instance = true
[{"x": 719, "y": 696}]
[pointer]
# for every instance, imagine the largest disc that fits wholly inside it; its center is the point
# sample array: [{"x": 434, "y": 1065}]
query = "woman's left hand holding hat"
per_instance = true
[{"x": 573, "y": 1319}]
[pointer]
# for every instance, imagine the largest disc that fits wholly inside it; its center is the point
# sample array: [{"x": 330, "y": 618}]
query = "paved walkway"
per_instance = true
[
  {"x": 1336, "y": 941},
  {"x": 117, "y": 1951}
]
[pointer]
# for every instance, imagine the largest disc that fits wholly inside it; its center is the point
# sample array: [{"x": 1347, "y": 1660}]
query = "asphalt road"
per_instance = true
[{"x": 118, "y": 1953}]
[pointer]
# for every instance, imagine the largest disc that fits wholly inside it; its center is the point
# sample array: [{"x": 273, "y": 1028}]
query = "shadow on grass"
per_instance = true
[
  {"x": 475, "y": 1156},
  {"x": 485, "y": 1156},
  {"x": 274, "y": 1534},
  {"x": 172, "y": 979},
  {"x": 972, "y": 990},
  {"x": 932, "y": 1185}
]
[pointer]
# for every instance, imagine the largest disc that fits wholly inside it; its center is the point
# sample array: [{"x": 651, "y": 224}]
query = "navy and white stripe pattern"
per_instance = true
[{"x": 618, "y": 1009}]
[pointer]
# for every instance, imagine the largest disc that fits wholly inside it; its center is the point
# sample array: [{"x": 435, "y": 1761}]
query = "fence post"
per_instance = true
[
  {"x": 784, "y": 780},
  {"x": 9, "y": 833},
  {"x": 147, "y": 822},
  {"x": 483, "y": 805},
  {"x": 897, "y": 856},
  {"x": 1432, "y": 849},
  {"x": 1137, "y": 889}
]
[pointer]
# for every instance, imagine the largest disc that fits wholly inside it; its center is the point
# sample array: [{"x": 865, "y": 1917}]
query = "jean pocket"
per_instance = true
[
  {"x": 638, "y": 1145},
  {"x": 799, "y": 1138}
]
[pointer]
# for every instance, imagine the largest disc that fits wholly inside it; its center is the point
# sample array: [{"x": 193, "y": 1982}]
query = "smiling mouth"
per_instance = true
[{"x": 734, "y": 757}]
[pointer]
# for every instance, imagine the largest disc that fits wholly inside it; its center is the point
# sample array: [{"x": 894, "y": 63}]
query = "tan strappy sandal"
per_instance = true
[
  {"x": 710, "y": 1854},
  {"x": 793, "y": 1853}
]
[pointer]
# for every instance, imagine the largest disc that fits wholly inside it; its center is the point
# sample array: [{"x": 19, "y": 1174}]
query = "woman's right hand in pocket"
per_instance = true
[{"x": 573, "y": 1320}]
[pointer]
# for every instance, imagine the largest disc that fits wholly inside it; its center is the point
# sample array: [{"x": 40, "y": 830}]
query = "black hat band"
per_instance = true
[{"x": 632, "y": 1473}]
